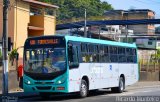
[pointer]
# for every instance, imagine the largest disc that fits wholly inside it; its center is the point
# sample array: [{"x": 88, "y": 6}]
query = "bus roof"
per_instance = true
[
  {"x": 97, "y": 41},
  {"x": 90, "y": 40}
]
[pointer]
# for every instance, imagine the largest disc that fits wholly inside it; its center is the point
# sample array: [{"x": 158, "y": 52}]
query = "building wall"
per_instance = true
[
  {"x": 135, "y": 14},
  {"x": 18, "y": 21},
  {"x": 10, "y": 21},
  {"x": 138, "y": 29},
  {"x": 145, "y": 29},
  {"x": 49, "y": 25},
  {"x": 22, "y": 18}
]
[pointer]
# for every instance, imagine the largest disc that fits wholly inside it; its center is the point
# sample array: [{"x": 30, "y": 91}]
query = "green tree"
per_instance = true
[
  {"x": 156, "y": 57},
  {"x": 73, "y": 9}
]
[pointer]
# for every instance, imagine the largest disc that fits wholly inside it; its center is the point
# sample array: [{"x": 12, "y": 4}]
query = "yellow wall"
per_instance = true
[
  {"x": 21, "y": 25},
  {"x": 49, "y": 25},
  {"x": 10, "y": 21}
]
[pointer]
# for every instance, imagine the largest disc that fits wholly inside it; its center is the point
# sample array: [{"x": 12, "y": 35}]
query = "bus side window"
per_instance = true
[
  {"x": 73, "y": 56},
  {"x": 70, "y": 53},
  {"x": 84, "y": 52}
]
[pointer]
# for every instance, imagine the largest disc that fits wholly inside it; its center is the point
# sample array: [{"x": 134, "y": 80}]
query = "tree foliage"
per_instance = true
[
  {"x": 156, "y": 57},
  {"x": 72, "y": 9}
]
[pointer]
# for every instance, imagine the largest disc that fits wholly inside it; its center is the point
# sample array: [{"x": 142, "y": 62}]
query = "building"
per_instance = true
[
  {"x": 141, "y": 14},
  {"x": 157, "y": 31},
  {"x": 134, "y": 14},
  {"x": 28, "y": 18}
]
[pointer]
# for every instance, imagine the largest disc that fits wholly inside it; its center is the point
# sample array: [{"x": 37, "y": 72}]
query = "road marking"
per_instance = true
[{"x": 146, "y": 91}]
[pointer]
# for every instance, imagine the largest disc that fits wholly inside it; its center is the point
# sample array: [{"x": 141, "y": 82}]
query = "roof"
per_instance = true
[
  {"x": 41, "y": 3},
  {"x": 107, "y": 22}
]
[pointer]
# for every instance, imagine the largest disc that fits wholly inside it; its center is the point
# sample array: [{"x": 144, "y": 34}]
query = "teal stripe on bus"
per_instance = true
[{"x": 96, "y": 41}]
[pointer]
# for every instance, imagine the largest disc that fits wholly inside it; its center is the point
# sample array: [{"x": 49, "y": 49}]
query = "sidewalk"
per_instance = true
[{"x": 142, "y": 84}]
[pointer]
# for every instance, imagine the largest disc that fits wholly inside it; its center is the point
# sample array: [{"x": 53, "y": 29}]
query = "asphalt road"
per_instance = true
[{"x": 146, "y": 94}]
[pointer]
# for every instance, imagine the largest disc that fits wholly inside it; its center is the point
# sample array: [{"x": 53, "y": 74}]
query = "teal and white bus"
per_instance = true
[{"x": 66, "y": 64}]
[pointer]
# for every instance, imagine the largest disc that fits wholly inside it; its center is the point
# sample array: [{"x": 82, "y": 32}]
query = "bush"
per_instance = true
[{"x": 12, "y": 55}]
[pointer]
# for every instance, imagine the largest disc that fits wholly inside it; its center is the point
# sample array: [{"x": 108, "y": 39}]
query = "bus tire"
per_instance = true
[
  {"x": 83, "y": 89},
  {"x": 121, "y": 86}
]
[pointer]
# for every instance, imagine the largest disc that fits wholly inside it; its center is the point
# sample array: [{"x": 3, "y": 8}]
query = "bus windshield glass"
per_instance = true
[{"x": 44, "y": 60}]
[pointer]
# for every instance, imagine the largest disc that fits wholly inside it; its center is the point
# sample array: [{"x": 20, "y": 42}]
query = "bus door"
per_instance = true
[
  {"x": 105, "y": 66},
  {"x": 113, "y": 66},
  {"x": 94, "y": 66},
  {"x": 73, "y": 61},
  {"x": 130, "y": 53}
]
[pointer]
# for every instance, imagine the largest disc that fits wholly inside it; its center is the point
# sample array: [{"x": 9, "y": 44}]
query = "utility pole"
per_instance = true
[
  {"x": 5, "y": 47},
  {"x": 85, "y": 23}
]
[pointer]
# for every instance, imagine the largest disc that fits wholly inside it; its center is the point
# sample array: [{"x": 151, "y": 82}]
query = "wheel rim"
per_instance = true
[
  {"x": 83, "y": 89},
  {"x": 121, "y": 85}
]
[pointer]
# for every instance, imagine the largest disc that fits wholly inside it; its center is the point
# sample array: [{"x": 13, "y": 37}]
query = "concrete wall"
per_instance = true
[
  {"x": 49, "y": 25},
  {"x": 22, "y": 18},
  {"x": 149, "y": 76},
  {"x": 138, "y": 29}
]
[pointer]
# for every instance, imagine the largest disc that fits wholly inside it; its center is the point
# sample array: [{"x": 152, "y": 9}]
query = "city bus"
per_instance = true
[{"x": 70, "y": 64}]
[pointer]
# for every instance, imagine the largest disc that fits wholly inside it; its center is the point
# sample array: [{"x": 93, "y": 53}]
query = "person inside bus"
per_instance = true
[{"x": 30, "y": 69}]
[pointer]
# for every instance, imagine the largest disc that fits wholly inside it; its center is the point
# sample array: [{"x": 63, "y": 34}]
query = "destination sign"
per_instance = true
[{"x": 44, "y": 41}]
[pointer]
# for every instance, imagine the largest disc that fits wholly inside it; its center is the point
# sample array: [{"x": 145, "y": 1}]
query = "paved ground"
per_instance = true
[{"x": 136, "y": 91}]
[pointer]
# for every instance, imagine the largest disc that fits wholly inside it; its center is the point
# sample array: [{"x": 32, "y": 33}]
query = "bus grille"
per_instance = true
[{"x": 44, "y": 82}]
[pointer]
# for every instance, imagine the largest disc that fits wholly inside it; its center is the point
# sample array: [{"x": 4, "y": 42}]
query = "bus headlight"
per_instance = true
[
  {"x": 27, "y": 82},
  {"x": 61, "y": 80}
]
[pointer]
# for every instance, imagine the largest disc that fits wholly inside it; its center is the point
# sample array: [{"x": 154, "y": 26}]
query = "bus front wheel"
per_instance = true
[
  {"x": 121, "y": 86},
  {"x": 83, "y": 89}
]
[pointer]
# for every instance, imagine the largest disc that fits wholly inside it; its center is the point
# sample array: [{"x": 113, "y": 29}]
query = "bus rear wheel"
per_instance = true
[
  {"x": 121, "y": 86},
  {"x": 83, "y": 89}
]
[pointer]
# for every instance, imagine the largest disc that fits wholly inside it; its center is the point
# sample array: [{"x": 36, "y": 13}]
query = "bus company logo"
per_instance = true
[
  {"x": 110, "y": 67},
  {"x": 96, "y": 70}
]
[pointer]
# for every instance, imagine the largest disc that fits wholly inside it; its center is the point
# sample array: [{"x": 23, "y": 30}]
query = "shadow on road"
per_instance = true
[
  {"x": 21, "y": 96},
  {"x": 64, "y": 97}
]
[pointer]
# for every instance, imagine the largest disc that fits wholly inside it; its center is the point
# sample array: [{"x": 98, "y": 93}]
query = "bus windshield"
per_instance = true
[{"x": 44, "y": 60}]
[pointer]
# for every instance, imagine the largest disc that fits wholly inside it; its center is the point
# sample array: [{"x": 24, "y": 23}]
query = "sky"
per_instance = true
[{"x": 153, "y": 5}]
